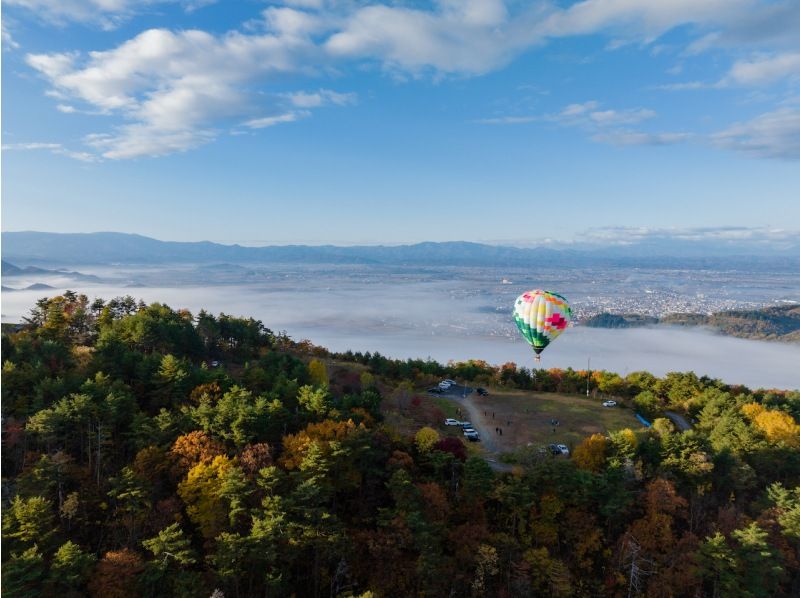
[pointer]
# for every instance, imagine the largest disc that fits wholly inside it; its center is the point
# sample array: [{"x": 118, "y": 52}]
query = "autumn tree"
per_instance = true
[
  {"x": 116, "y": 574},
  {"x": 777, "y": 426},
  {"x": 425, "y": 439},
  {"x": 255, "y": 457},
  {"x": 590, "y": 454},
  {"x": 318, "y": 373},
  {"x": 201, "y": 491},
  {"x": 193, "y": 448}
]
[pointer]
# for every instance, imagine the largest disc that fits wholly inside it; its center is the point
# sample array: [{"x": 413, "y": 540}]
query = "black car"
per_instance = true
[
  {"x": 435, "y": 390},
  {"x": 482, "y": 391},
  {"x": 554, "y": 449}
]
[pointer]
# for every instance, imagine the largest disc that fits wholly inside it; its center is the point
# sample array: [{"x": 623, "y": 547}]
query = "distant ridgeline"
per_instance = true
[{"x": 780, "y": 323}]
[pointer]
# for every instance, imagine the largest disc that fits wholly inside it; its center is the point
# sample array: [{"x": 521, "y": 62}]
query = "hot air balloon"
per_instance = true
[{"x": 541, "y": 316}]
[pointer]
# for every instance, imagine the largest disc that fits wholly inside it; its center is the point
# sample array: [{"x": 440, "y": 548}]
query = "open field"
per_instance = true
[{"x": 530, "y": 415}]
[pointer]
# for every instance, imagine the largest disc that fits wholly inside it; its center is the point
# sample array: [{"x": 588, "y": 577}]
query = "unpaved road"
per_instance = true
[
  {"x": 483, "y": 424},
  {"x": 680, "y": 422}
]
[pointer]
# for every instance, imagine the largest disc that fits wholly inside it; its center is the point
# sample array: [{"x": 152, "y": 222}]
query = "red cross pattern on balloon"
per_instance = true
[{"x": 557, "y": 321}]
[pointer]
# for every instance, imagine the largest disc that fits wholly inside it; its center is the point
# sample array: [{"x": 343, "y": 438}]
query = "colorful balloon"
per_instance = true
[{"x": 541, "y": 317}]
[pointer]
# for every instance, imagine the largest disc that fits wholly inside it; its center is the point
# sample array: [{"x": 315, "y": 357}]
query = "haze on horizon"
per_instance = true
[{"x": 399, "y": 122}]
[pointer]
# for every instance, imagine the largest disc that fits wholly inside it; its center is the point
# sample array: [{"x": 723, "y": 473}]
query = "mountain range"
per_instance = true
[{"x": 29, "y": 247}]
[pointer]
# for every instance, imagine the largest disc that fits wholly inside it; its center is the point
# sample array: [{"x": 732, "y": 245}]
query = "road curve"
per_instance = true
[{"x": 681, "y": 422}]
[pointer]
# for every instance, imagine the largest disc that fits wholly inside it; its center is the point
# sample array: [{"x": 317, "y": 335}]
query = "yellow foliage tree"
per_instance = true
[
  {"x": 591, "y": 453},
  {"x": 318, "y": 372},
  {"x": 752, "y": 410},
  {"x": 425, "y": 438},
  {"x": 201, "y": 491},
  {"x": 778, "y": 426}
]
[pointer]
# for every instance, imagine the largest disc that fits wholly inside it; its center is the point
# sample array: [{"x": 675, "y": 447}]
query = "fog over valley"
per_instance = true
[{"x": 461, "y": 313}]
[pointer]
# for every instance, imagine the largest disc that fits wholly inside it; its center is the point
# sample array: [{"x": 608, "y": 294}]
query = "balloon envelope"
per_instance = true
[{"x": 541, "y": 316}]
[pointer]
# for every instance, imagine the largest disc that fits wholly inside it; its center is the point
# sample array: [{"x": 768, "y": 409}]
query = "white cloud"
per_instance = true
[
  {"x": 765, "y": 70},
  {"x": 7, "y": 39},
  {"x": 621, "y": 117},
  {"x": 625, "y": 137},
  {"x": 322, "y": 97},
  {"x": 574, "y": 110},
  {"x": 639, "y": 19},
  {"x": 107, "y": 14},
  {"x": 55, "y": 148},
  {"x": 774, "y": 134},
  {"x": 733, "y": 236},
  {"x": 603, "y": 126},
  {"x": 589, "y": 115},
  {"x": 176, "y": 88},
  {"x": 458, "y": 36},
  {"x": 271, "y": 121},
  {"x": 507, "y": 120}
]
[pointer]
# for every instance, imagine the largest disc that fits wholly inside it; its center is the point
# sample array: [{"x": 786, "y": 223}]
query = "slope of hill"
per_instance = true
[
  {"x": 780, "y": 322},
  {"x": 607, "y": 320},
  {"x": 772, "y": 323},
  {"x": 11, "y": 270},
  {"x": 148, "y": 453}
]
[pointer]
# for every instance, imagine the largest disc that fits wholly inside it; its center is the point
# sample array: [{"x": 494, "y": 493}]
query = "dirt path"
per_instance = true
[
  {"x": 681, "y": 422},
  {"x": 481, "y": 423}
]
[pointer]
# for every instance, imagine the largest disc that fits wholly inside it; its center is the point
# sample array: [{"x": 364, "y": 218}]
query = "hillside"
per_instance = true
[
  {"x": 781, "y": 323},
  {"x": 149, "y": 452},
  {"x": 772, "y": 323},
  {"x": 607, "y": 320}
]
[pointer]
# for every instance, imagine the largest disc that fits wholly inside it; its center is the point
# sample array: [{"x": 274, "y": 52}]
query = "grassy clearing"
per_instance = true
[
  {"x": 419, "y": 410},
  {"x": 447, "y": 406},
  {"x": 530, "y": 415}
]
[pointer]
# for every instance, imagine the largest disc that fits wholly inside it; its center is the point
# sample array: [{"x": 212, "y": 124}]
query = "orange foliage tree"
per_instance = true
[
  {"x": 115, "y": 574},
  {"x": 193, "y": 448},
  {"x": 295, "y": 446}
]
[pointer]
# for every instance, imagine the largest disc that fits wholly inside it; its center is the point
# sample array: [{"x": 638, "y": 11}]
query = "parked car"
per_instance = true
[
  {"x": 482, "y": 391},
  {"x": 444, "y": 385},
  {"x": 451, "y": 422},
  {"x": 465, "y": 424},
  {"x": 563, "y": 449},
  {"x": 554, "y": 449},
  {"x": 472, "y": 436},
  {"x": 609, "y": 403},
  {"x": 468, "y": 431},
  {"x": 435, "y": 390},
  {"x": 451, "y": 382}
]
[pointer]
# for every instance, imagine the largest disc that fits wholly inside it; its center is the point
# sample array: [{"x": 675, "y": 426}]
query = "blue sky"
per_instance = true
[{"x": 345, "y": 121}]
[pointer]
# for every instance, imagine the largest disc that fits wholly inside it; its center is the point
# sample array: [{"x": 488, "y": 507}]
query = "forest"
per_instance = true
[
  {"x": 775, "y": 323},
  {"x": 151, "y": 452}
]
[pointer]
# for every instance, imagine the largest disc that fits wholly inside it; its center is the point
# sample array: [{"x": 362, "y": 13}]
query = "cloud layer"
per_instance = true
[{"x": 176, "y": 90}]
